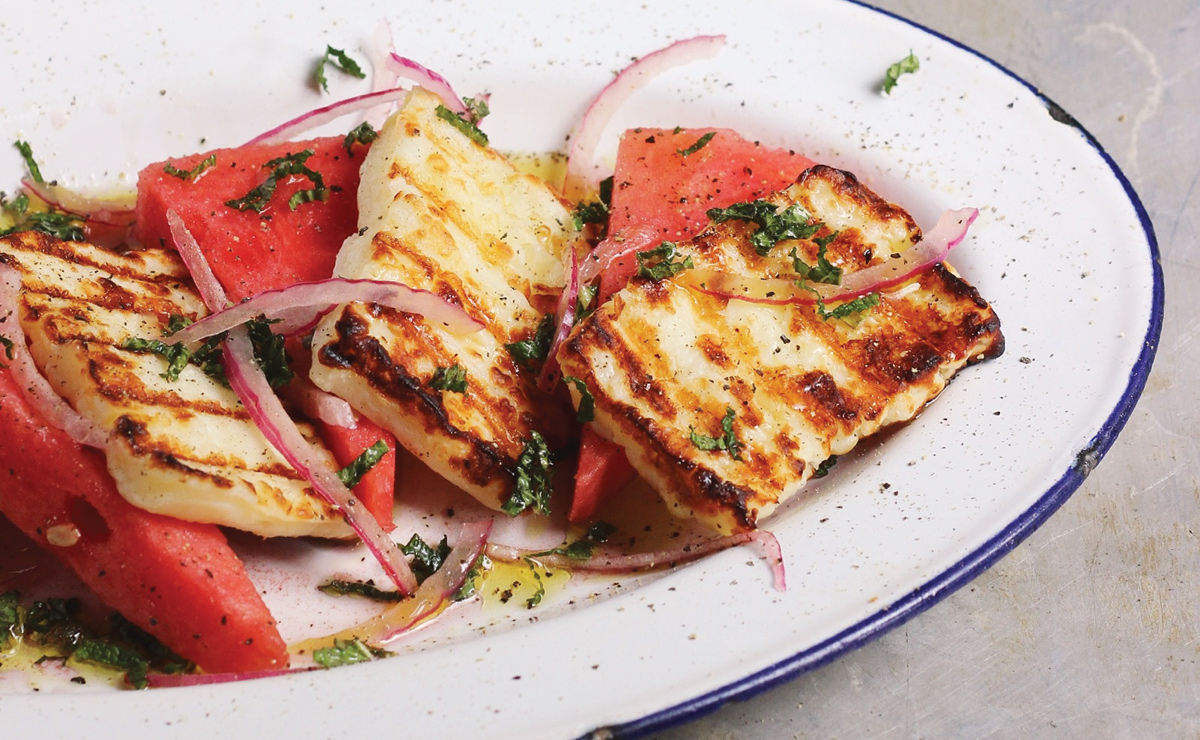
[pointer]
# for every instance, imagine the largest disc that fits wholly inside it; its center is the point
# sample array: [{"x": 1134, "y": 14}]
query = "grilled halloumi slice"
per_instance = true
[
  {"x": 441, "y": 212},
  {"x": 667, "y": 364},
  {"x": 185, "y": 448}
]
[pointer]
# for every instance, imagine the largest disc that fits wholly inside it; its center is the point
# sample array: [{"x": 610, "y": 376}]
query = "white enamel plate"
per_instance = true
[{"x": 1062, "y": 249}]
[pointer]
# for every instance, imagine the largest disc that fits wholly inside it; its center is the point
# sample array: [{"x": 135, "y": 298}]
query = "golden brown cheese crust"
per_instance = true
[
  {"x": 663, "y": 360},
  {"x": 441, "y": 213},
  {"x": 185, "y": 448}
]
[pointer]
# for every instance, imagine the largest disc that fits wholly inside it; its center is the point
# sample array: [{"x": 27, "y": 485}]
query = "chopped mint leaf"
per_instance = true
[
  {"x": 426, "y": 559},
  {"x": 289, "y": 164},
  {"x": 9, "y": 615},
  {"x": 467, "y": 590},
  {"x": 850, "y": 308},
  {"x": 347, "y": 652},
  {"x": 728, "y": 441},
  {"x": 845, "y": 310},
  {"x": 592, "y": 212},
  {"x": 194, "y": 172},
  {"x": 536, "y": 347},
  {"x": 535, "y": 468},
  {"x": 582, "y": 548},
  {"x": 26, "y": 152},
  {"x": 587, "y": 402},
  {"x": 339, "y": 59},
  {"x": 364, "y": 134},
  {"x": 659, "y": 263},
  {"x": 469, "y": 129},
  {"x": 825, "y": 466},
  {"x": 118, "y": 657},
  {"x": 583, "y": 302},
  {"x": 452, "y": 379},
  {"x": 907, "y": 65},
  {"x": 824, "y": 271},
  {"x": 178, "y": 356},
  {"x": 477, "y": 109},
  {"x": 794, "y": 222},
  {"x": 540, "y": 593},
  {"x": 700, "y": 144},
  {"x": 365, "y": 589},
  {"x": 352, "y": 474}
]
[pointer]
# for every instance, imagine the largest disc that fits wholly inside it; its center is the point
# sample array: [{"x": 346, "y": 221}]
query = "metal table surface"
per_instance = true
[{"x": 1090, "y": 627}]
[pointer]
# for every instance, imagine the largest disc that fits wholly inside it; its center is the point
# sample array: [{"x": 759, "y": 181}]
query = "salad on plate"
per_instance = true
[{"x": 589, "y": 370}]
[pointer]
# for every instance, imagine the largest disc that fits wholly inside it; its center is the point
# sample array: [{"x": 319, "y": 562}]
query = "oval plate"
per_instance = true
[{"x": 1063, "y": 250}]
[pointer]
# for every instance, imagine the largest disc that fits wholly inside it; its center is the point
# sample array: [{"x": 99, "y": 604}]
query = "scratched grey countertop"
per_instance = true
[{"x": 1088, "y": 629}]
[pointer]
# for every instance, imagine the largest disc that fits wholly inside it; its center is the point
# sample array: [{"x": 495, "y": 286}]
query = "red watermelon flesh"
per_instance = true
[
  {"x": 664, "y": 183},
  {"x": 656, "y": 184},
  {"x": 251, "y": 252},
  {"x": 179, "y": 581}
]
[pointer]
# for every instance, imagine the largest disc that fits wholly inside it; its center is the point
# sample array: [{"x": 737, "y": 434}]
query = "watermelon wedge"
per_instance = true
[
  {"x": 252, "y": 251},
  {"x": 179, "y": 581}
]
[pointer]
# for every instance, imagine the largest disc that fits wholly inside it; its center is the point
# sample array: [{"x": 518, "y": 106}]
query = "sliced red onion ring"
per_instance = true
[
  {"x": 428, "y": 79},
  {"x": 319, "y": 117},
  {"x": 34, "y": 386},
  {"x": 565, "y": 318},
  {"x": 614, "y": 563},
  {"x": 948, "y": 233},
  {"x": 210, "y": 289},
  {"x": 582, "y": 170},
  {"x": 429, "y": 598},
  {"x": 616, "y": 246},
  {"x": 302, "y": 303},
  {"x": 97, "y": 210},
  {"x": 247, "y": 380},
  {"x": 318, "y": 404},
  {"x": 383, "y": 77}
]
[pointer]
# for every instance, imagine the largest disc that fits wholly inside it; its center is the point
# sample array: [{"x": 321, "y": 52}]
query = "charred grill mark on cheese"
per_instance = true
[
  {"x": 137, "y": 434},
  {"x": 825, "y": 394},
  {"x": 137, "y": 437},
  {"x": 131, "y": 265},
  {"x": 114, "y": 380},
  {"x": 711, "y": 347},
  {"x": 952, "y": 316},
  {"x": 355, "y": 348},
  {"x": 728, "y": 496}
]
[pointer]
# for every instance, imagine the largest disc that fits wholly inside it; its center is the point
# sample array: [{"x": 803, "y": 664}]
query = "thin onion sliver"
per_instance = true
[
  {"x": 618, "y": 564},
  {"x": 97, "y": 210},
  {"x": 582, "y": 169},
  {"x": 256, "y": 394},
  {"x": 302, "y": 303},
  {"x": 428, "y": 79},
  {"x": 247, "y": 380},
  {"x": 289, "y": 130},
  {"x": 427, "y": 601},
  {"x": 565, "y": 319},
  {"x": 617, "y": 246}
]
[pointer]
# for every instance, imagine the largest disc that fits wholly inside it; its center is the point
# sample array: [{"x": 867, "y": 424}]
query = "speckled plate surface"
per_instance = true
[{"x": 1062, "y": 249}]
